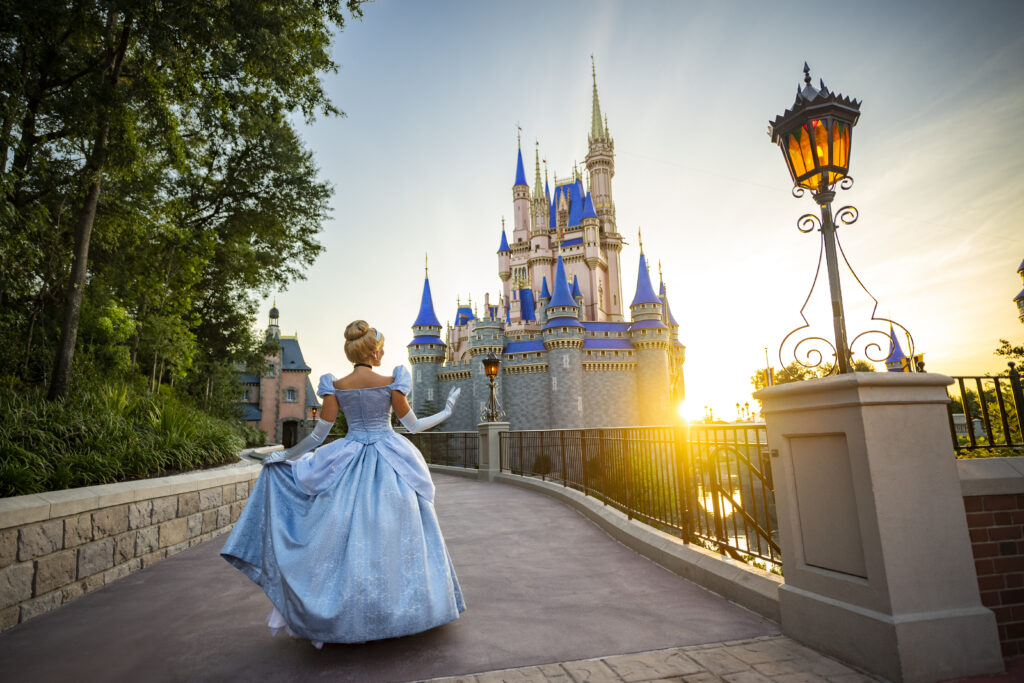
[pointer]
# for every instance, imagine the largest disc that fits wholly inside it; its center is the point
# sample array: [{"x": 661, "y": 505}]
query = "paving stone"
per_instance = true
[
  {"x": 140, "y": 514},
  {"x": 40, "y": 605},
  {"x": 8, "y": 547},
  {"x": 528, "y": 674},
  {"x": 223, "y": 516},
  {"x": 9, "y": 617},
  {"x": 188, "y": 503},
  {"x": 54, "y": 571},
  {"x": 41, "y": 538},
  {"x": 164, "y": 509},
  {"x": 78, "y": 530},
  {"x": 110, "y": 521},
  {"x": 595, "y": 671},
  {"x": 95, "y": 557},
  {"x": 852, "y": 678},
  {"x": 648, "y": 666},
  {"x": 227, "y": 493},
  {"x": 802, "y": 677},
  {"x": 209, "y": 521},
  {"x": 555, "y": 672},
  {"x": 195, "y": 524},
  {"x": 825, "y": 666},
  {"x": 759, "y": 652},
  {"x": 746, "y": 677},
  {"x": 147, "y": 540},
  {"x": 702, "y": 677},
  {"x": 16, "y": 584},
  {"x": 454, "y": 679},
  {"x": 173, "y": 532},
  {"x": 717, "y": 661},
  {"x": 209, "y": 498},
  {"x": 124, "y": 547}
]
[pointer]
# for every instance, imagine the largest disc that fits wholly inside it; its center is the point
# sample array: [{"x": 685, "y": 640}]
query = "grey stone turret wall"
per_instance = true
[
  {"x": 652, "y": 387},
  {"x": 527, "y": 396},
  {"x": 565, "y": 373},
  {"x": 426, "y": 399},
  {"x": 464, "y": 418}
]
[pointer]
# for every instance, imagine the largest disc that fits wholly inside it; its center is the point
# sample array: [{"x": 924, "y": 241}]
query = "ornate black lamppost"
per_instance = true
[
  {"x": 814, "y": 136},
  {"x": 491, "y": 363}
]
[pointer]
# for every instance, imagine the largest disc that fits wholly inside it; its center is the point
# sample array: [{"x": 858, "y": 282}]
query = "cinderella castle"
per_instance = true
[{"x": 569, "y": 357}]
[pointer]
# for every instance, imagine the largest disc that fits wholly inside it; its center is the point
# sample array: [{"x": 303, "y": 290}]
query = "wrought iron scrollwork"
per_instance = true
[
  {"x": 798, "y": 191},
  {"x": 847, "y": 215},
  {"x": 846, "y": 183},
  {"x": 810, "y": 351},
  {"x": 808, "y": 223},
  {"x": 485, "y": 411}
]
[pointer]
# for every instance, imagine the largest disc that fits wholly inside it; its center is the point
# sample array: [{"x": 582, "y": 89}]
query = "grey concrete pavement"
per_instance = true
[{"x": 542, "y": 584}]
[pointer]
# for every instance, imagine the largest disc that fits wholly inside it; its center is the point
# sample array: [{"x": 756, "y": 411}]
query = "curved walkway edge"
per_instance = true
[{"x": 750, "y": 587}]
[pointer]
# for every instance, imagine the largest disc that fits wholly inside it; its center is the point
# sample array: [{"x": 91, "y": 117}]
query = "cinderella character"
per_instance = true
[{"x": 343, "y": 538}]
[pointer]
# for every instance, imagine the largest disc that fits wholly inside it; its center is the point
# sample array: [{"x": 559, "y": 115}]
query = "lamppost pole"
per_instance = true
[
  {"x": 828, "y": 232},
  {"x": 491, "y": 363}
]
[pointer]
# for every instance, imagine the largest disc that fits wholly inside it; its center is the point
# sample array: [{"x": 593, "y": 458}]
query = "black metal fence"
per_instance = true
[
  {"x": 455, "y": 449},
  {"x": 704, "y": 483},
  {"x": 986, "y": 413}
]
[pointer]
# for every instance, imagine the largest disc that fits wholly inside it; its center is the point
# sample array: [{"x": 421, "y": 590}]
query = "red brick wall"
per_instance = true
[{"x": 996, "y": 524}]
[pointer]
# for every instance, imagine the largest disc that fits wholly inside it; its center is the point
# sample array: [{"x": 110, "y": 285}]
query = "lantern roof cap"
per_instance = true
[{"x": 811, "y": 101}]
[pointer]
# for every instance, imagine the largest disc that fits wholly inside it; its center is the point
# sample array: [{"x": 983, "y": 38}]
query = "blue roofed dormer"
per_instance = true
[
  {"x": 504, "y": 243},
  {"x": 527, "y": 310},
  {"x": 588, "y": 208},
  {"x": 644, "y": 291},
  {"x": 463, "y": 315},
  {"x": 520, "y": 173},
  {"x": 544, "y": 293},
  {"x": 426, "y": 315},
  {"x": 576, "y": 287}
]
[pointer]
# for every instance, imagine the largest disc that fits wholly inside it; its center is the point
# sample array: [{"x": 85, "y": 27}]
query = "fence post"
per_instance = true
[
  {"x": 583, "y": 456},
  {"x": 683, "y": 472},
  {"x": 490, "y": 449},
  {"x": 600, "y": 466},
  {"x": 1018, "y": 399},
  {"x": 561, "y": 451}
]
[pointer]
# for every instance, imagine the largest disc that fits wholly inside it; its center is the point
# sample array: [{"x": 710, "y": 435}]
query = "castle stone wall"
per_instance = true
[
  {"x": 609, "y": 398},
  {"x": 527, "y": 398}
]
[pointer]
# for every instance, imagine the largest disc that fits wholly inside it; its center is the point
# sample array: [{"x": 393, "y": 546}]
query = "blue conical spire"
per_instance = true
[
  {"x": 895, "y": 360},
  {"x": 426, "y": 317},
  {"x": 562, "y": 294},
  {"x": 504, "y": 242},
  {"x": 520, "y": 173},
  {"x": 544, "y": 293},
  {"x": 588, "y": 208},
  {"x": 576, "y": 287},
  {"x": 644, "y": 290}
]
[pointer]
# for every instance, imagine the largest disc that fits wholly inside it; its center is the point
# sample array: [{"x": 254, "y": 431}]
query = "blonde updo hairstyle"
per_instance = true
[{"x": 361, "y": 341}]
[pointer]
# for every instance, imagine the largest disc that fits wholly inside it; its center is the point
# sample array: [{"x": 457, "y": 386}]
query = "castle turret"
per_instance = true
[
  {"x": 426, "y": 355},
  {"x": 577, "y": 295},
  {"x": 563, "y": 340},
  {"x": 545, "y": 299},
  {"x": 897, "y": 359},
  {"x": 273, "y": 328},
  {"x": 504, "y": 262},
  {"x": 650, "y": 337},
  {"x": 520, "y": 203},
  {"x": 677, "y": 351}
]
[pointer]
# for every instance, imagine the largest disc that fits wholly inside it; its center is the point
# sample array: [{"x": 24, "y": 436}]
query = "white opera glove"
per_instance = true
[
  {"x": 416, "y": 425},
  {"x": 312, "y": 440}
]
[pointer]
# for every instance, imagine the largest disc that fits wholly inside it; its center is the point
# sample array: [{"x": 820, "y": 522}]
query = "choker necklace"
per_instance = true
[{"x": 363, "y": 365}]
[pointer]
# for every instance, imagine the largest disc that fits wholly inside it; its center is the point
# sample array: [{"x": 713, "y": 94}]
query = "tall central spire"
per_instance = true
[
  {"x": 538, "y": 189},
  {"x": 596, "y": 129}
]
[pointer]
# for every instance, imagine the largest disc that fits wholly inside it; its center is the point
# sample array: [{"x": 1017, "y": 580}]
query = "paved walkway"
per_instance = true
[{"x": 543, "y": 585}]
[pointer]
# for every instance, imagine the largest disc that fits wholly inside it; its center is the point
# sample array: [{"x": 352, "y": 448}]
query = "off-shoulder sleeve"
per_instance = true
[
  {"x": 403, "y": 380},
  {"x": 326, "y": 387}
]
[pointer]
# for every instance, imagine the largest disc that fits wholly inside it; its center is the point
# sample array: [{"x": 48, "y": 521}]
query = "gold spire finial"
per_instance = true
[
  {"x": 503, "y": 224},
  {"x": 426, "y": 276},
  {"x": 640, "y": 239},
  {"x": 596, "y": 132},
  {"x": 660, "y": 279},
  {"x": 519, "y": 132}
]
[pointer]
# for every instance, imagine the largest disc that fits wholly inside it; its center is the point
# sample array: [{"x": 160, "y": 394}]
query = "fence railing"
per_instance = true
[
  {"x": 986, "y": 413},
  {"x": 455, "y": 449},
  {"x": 704, "y": 483}
]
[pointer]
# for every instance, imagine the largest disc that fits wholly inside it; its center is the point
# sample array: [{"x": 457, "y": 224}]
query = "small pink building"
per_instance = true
[{"x": 281, "y": 402}]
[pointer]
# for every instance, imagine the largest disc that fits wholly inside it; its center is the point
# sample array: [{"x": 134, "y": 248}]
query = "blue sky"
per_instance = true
[{"x": 424, "y": 162}]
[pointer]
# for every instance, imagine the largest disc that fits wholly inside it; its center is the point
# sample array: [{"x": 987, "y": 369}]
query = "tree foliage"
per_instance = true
[{"x": 153, "y": 184}]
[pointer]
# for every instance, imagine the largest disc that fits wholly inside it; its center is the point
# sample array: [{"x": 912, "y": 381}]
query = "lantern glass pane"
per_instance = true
[
  {"x": 841, "y": 145},
  {"x": 805, "y": 149},
  {"x": 820, "y": 142},
  {"x": 796, "y": 159}
]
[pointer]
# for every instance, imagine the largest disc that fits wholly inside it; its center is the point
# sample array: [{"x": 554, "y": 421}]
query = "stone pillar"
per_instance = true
[
  {"x": 878, "y": 563},
  {"x": 490, "y": 449}
]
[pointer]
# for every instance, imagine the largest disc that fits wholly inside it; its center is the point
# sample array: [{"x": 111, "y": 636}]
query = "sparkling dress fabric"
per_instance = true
[{"x": 344, "y": 540}]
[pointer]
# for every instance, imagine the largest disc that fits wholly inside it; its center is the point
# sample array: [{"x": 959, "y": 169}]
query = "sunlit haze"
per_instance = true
[{"x": 425, "y": 159}]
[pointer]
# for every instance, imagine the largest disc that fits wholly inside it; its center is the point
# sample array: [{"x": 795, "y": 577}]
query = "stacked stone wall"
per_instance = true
[
  {"x": 652, "y": 387},
  {"x": 527, "y": 398},
  {"x": 609, "y": 398},
  {"x": 57, "y": 546},
  {"x": 424, "y": 382},
  {"x": 464, "y": 418},
  {"x": 565, "y": 377}
]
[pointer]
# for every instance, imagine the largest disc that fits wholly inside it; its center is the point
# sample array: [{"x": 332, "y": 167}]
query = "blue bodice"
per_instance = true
[{"x": 369, "y": 409}]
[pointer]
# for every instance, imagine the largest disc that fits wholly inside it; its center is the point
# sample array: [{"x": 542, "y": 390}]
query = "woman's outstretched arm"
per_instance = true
[{"x": 415, "y": 425}]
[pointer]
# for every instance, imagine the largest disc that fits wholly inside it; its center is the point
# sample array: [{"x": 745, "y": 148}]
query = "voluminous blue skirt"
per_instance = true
[{"x": 360, "y": 560}]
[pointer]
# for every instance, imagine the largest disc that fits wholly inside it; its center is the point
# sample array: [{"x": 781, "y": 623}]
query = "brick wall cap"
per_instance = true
[{"x": 991, "y": 476}]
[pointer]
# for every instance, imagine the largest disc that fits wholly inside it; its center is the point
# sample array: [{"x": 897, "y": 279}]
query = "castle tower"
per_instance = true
[
  {"x": 486, "y": 337},
  {"x": 677, "y": 351},
  {"x": 563, "y": 340},
  {"x": 426, "y": 355},
  {"x": 600, "y": 162},
  {"x": 650, "y": 337},
  {"x": 896, "y": 360},
  {"x": 505, "y": 264},
  {"x": 521, "y": 203}
]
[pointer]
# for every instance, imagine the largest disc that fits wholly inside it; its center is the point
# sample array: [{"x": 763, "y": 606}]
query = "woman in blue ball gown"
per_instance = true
[{"x": 343, "y": 538}]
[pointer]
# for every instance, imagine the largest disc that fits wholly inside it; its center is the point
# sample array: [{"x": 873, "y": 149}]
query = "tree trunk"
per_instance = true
[
  {"x": 61, "y": 379},
  {"x": 152, "y": 375}
]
